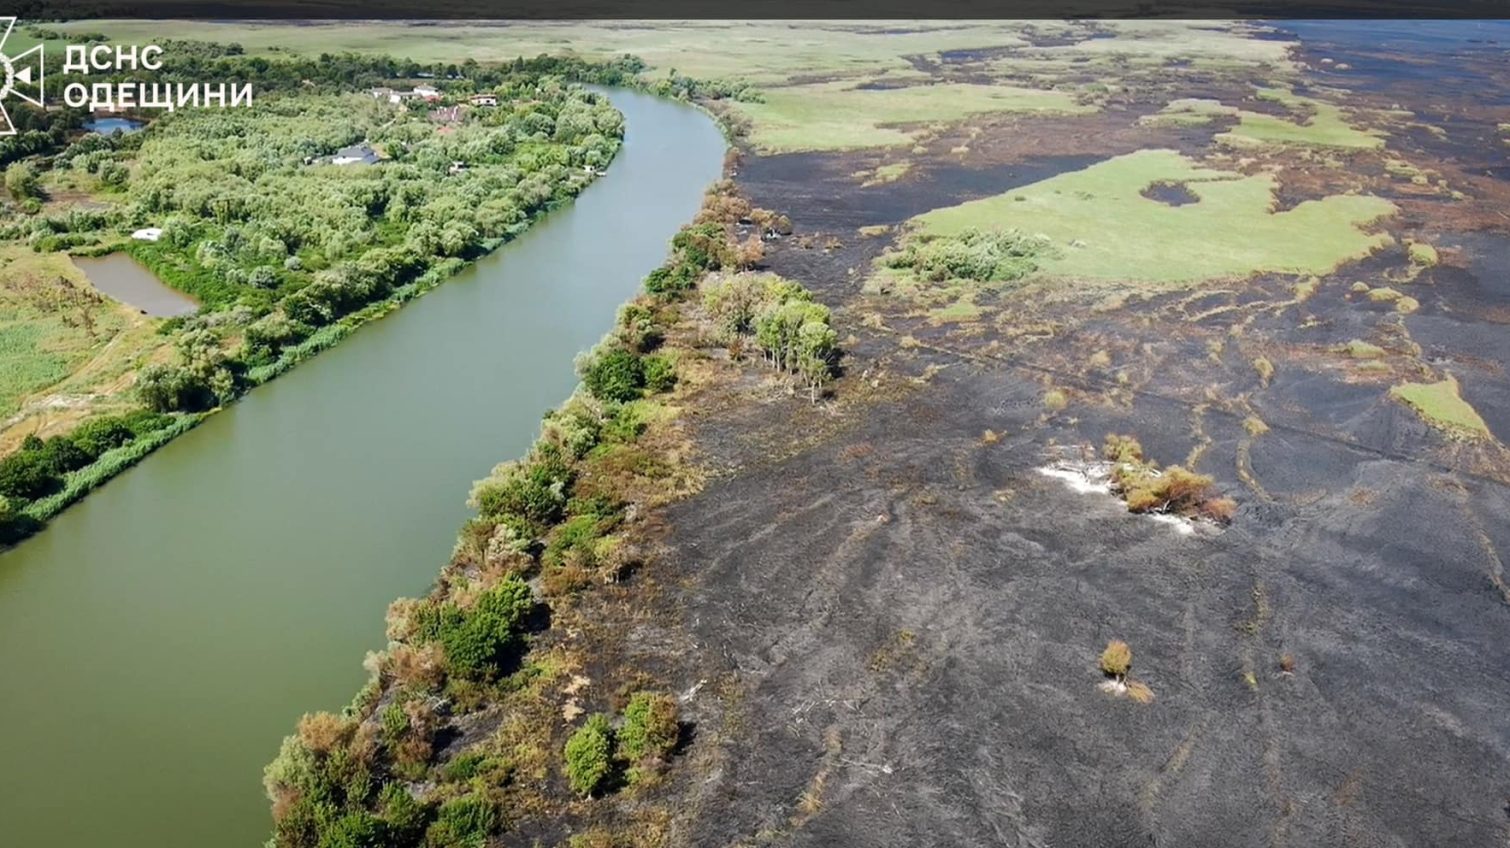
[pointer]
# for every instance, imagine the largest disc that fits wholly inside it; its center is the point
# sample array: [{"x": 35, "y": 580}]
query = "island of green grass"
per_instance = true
[
  {"x": 1106, "y": 229},
  {"x": 839, "y": 116},
  {"x": 1188, "y": 112},
  {"x": 1321, "y": 125},
  {"x": 1442, "y": 406}
]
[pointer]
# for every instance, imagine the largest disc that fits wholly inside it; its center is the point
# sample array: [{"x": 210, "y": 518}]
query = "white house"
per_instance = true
[
  {"x": 484, "y": 100},
  {"x": 148, "y": 234}
]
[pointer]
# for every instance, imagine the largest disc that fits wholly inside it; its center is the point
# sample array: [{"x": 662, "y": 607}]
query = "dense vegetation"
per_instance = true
[
  {"x": 977, "y": 255},
  {"x": 286, "y": 252},
  {"x": 43, "y": 470}
]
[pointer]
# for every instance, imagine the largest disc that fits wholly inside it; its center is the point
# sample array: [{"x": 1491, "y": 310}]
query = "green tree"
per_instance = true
[{"x": 816, "y": 345}]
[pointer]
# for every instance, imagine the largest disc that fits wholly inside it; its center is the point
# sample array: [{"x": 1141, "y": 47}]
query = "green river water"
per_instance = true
[{"x": 159, "y": 638}]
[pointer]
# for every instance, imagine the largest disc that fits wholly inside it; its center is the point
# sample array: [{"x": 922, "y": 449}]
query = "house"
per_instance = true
[
  {"x": 458, "y": 167},
  {"x": 148, "y": 234},
  {"x": 484, "y": 100},
  {"x": 426, "y": 92},
  {"x": 382, "y": 94},
  {"x": 357, "y": 154}
]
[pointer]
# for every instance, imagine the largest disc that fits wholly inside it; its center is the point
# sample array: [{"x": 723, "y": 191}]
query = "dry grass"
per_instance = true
[{"x": 1116, "y": 659}]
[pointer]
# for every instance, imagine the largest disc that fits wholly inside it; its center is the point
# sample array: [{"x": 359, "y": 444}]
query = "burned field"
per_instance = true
[{"x": 885, "y": 618}]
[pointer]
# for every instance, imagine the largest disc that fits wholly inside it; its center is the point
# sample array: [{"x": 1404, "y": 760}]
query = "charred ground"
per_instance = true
[{"x": 886, "y": 620}]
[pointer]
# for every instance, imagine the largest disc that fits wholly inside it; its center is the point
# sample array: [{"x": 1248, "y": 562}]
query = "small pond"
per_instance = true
[
  {"x": 106, "y": 126},
  {"x": 122, "y": 278}
]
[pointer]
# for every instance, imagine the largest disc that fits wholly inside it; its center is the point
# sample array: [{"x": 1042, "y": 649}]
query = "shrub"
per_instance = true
[
  {"x": 358, "y": 829},
  {"x": 1120, "y": 449},
  {"x": 668, "y": 281},
  {"x": 395, "y": 722},
  {"x": 405, "y": 817},
  {"x": 574, "y": 538},
  {"x": 324, "y": 732},
  {"x": 650, "y": 730},
  {"x": 170, "y": 388},
  {"x": 614, "y": 374},
  {"x": 980, "y": 255},
  {"x": 574, "y": 428},
  {"x": 477, "y": 641},
  {"x": 466, "y": 766},
  {"x": 463, "y": 822},
  {"x": 534, "y": 490},
  {"x": 14, "y": 526},
  {"x": 705, "y": 247},
  {"x": 64, "y": 455},
  {"x": 638, "y": 328},
  {"x": 98, "y": 435},
  {"x": 1116, "y": 660},
  {"x": 660, "y": 374},
  {"x": 624, "y": 424},
  {"x": 1173, "y": 490},
  {"x": 588, "y": 755}
]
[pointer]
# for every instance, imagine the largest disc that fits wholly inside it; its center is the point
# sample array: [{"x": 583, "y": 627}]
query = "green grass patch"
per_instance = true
[
  {"x": 1323, "y": 125},
  {"x": 1106, "y": 229},
  {"x": 837, "y": 116},
  {"x": 885, "y": 174},
  {"x": 1442, "y": 406},
  {"x": 961, "y": 310},
  {"x": 1423, "y": 254}
]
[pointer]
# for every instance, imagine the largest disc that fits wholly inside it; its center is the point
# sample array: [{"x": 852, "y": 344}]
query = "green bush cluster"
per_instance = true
[
  {"x": 478, "y": 641},
  {"x": 983, "y": 256},
  {"x": 41, "y": 468},
  {"x": 596, "y": 756}
]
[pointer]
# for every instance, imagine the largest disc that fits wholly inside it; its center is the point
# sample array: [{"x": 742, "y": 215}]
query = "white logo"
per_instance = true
[{"x": 20, "y": 76}]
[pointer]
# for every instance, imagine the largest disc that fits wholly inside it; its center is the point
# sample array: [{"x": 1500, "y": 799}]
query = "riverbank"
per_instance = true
[{"x": 460, "y": 728}]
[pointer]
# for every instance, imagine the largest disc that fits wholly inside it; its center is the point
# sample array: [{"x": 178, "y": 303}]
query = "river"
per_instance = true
[{"x": 159, "y": 638}]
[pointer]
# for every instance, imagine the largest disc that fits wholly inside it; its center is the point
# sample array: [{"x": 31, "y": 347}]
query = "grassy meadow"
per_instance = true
[
  {"x": 1106, "y": 229},
  {"x": 837, "y": 116}
]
